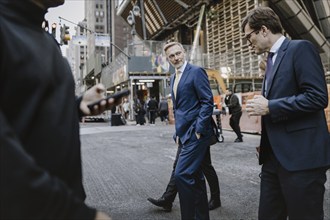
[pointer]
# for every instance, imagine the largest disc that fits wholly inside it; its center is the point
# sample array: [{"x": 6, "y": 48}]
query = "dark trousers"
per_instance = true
[
  {"x": 190, "y": 181},
  {"x": 140, "y": 118},
  {"x": 152, "y": 114},
  {"x": 163, "y": 115},
  {"x": 234, "y": 123},
  {"x": 298, "y": 194},
  {"x": 209, "y": 173}
]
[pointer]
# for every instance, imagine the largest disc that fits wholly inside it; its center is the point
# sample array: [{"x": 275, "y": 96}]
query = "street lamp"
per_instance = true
[
  {"x": 131, "y": 22},
  {"x": 136, "y": 10},
  {"x": 131, "y": 19}
]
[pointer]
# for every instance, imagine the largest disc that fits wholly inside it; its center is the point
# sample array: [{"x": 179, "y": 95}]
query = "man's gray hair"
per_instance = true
[{"x": 171, "y": 44}]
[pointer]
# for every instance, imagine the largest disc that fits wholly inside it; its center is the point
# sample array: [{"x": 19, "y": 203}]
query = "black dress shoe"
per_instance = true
[
  {"x": 214, "y": 203},
  {"x": 238, "y": 140},
  {"x": 161, "y": 202}
]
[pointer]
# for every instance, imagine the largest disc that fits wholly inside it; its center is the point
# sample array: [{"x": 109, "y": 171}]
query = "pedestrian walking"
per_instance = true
[
  {"x": 152, "y": 109},
  {"x": 235, "y": 110},
  {"x": 163, "y": 110},
  {"x": 125, "y": 108},
  {"x": 295, "y": 143},
  {"x": 145, "y": 107},
  {"x": 139, "y": 112}
]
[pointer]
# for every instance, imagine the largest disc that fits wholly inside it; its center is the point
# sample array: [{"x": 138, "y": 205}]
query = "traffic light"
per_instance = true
[
  {"x": 45, "y": 25},
  {"x": 65, "y": 35},
  {"x": 54, "y": 30}
]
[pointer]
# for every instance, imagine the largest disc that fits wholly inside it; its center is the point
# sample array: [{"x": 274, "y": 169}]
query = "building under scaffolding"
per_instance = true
[
  {"x": 213, "y": 29},
  {"x": 221, "y": 43}
]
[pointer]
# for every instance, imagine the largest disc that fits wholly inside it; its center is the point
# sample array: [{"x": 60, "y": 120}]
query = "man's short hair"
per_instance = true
[
  {"x": 260, "y": 16},
  {"x": 171, "y": 44}
]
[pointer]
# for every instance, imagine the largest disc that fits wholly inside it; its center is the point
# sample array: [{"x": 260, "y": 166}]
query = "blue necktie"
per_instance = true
[{"x": 269, "y": 69}]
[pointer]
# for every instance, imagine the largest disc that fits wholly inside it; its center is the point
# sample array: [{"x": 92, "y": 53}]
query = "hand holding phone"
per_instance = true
[{"x": 117, "y": 96}]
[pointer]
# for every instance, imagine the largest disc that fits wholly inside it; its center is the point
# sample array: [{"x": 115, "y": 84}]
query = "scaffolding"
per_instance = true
[
  {"x": 227, "y": 46},
  {"x": 225, "y": 39}
]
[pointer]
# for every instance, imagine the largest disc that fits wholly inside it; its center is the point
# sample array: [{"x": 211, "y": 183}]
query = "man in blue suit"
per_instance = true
[
  {"x": 193, "y": 107},
  {"x": 295, "y": 143}
]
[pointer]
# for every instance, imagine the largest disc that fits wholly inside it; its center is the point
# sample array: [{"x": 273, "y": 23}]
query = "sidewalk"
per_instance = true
[
  {"x": 157, "y": 122},
  {"x": 124, "y": 165}
]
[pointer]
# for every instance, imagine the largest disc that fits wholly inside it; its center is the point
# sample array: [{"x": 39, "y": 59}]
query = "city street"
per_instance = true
[{"x": 124, "y": 165}]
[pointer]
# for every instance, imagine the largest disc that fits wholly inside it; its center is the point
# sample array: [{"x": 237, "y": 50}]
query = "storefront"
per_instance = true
[{"x": 145, "y": 74}]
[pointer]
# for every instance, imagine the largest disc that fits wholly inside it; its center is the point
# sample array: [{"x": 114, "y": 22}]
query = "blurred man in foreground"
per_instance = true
[{"x": 41, "y": 175}]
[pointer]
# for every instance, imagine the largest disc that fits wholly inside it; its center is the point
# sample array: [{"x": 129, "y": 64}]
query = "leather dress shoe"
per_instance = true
[
  {"x": 214, "y": 203},
  {"x": 161, "y": 202},
  {"x": 238, "y": 140}
]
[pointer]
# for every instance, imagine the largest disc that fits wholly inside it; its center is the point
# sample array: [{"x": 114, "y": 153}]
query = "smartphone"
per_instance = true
[{"x": 115, "y": 96}]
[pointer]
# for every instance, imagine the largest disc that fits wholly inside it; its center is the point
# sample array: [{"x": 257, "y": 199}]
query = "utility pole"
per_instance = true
[{"x": 110, "y": 20}]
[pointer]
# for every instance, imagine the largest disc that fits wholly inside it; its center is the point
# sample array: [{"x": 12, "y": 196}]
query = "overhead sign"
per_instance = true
[
  {"x": 100, "y": 40},
  {"x": 79, "y": 40}
]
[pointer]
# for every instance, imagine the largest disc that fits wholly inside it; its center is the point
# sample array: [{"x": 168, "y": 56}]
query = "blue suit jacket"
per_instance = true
[
  {"x": 296, "y": 125},
  {"x": 193, "y": 106}
]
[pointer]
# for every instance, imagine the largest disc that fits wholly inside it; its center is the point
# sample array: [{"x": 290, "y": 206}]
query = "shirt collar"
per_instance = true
[
  {"x": 181, "y": 69},
  {"x": 274, "y": 49}
]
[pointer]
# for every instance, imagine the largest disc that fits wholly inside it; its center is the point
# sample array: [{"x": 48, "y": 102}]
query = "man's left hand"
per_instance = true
[{"x": 257, "y": 106}]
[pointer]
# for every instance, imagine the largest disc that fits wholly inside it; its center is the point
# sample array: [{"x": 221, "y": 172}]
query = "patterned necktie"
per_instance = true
[
  {"x": 176, "y": 82},
  {"x": 269, "y": 69},
  {"x": 269, "y": 66}
]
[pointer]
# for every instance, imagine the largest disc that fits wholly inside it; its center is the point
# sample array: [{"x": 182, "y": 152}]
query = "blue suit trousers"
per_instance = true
[{"x": 190, "y": 179}]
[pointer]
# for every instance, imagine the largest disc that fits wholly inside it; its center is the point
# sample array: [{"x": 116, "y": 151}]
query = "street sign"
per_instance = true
[
  {"x": 79, "y": 40},
  {"x": 100, "y": 40}
]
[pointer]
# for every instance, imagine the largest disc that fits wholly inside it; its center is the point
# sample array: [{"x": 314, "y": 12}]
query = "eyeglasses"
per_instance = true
[{"x": 249, "y": 36}]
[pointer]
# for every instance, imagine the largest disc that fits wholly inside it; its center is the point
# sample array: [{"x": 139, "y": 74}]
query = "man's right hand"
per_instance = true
[
  {"x": 101, "y": 216},
  {"x": 177, "y": 140}
]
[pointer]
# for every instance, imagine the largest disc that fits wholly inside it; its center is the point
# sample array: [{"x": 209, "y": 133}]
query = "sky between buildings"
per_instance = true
[{"x": 72, "y": 10}]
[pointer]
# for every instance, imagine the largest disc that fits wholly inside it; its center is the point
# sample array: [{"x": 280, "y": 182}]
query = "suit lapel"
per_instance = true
[
  {"x": 172, "y": 94},
  {"x": 279, "y": 57}
]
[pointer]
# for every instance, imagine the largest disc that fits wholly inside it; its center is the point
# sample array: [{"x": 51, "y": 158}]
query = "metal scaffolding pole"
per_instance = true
[{"x": 196, "y": 38}]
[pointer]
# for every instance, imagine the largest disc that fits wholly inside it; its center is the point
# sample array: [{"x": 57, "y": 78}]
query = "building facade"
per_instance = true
[
  {"x": 210, "y": 29},
  {"x": 222, "y": 44}
]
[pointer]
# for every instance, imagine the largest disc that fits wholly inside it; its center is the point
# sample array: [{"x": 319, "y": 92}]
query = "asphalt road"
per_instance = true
[{"x": 124, "y": 165}]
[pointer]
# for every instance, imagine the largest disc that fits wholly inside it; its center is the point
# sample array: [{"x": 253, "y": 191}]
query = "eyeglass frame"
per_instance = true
[{"x": 247, "y": 37}]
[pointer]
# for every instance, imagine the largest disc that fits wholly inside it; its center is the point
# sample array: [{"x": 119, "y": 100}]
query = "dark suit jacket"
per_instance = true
[
  {"x": 40, "y": 159},
  {"x": 296, "y": 125},
  {"x": 193, "y": 106}
]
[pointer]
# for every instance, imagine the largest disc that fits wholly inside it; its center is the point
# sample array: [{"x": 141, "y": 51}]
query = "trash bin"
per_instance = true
[{"x": 117, "y": 119}]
